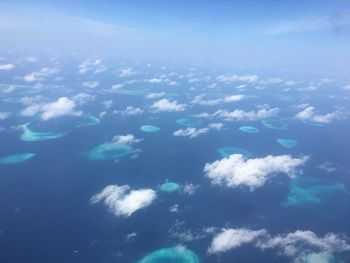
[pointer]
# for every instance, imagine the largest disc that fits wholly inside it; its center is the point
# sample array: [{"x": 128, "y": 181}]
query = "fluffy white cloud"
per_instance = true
[
  {"x": 7, "y": 66},
  {"x": 41, "y": 75},
  {"x": 309, "y": 114},
  {"x": 122, "y": 201},
  {"x": 238, "y": 171},
  {"x": 296, "y": 245},
  {"x": 4, "y": 115},
  {"x": 91, "y": 84},
  {"x": 94, "y": 66},
  {"x": 237, "y": 78},
  {"x": 63, "y": 106},
  {"x": 201, "y": 101},
  {"x": 126, "y": 139},
  {"x": 126, "y": 72},
  {"x": 83, "y": 98},
  {"x": 190, "y": 132},
  {"x": 155, "y": 95},
  {"x": 291, "y": 243},
  {"x": 241, "y": 115},
  {"x": 194, "y": 132},
  {"x": 233, "y": 238},
  {"x": 167, "y": 105},
  {"x": 130, "y": 110},
  {"x": 189, "y": 188}
]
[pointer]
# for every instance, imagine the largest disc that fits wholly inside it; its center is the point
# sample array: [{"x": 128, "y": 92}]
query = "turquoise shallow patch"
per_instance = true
[
  {"x": 309, "y": 191},
  {"x": 313, "y": 123},
  {"x": 169, "y": 187},
  {"x": 227, "y": 151},
  {"x": 275, "y": 124},
  {"x": 319, "y": 258},
  {"x": 16, "y": 158},
  {"x": 287, "y": 143},
  {"x": 171, "y": 255},
  {"x": 149, "y": 128},
  {"x": 189, "y": 122},
  {"x": 32, "y": 136},
  {"x": 249, "y": 129},
  {"x": 108, "y": 151}
]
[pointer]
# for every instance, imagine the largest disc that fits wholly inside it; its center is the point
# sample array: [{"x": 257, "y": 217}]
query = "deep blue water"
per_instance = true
[{"x": 44, "y": 202}]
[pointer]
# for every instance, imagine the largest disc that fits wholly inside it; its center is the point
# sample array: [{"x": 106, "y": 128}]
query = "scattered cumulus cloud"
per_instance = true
[
  {"x": 309, "y": 114},
  {"x": 122, "y": 200},
  {"x": 192, "y": 132},
  {"x": 126, "y": 72},
  {"x": 41, "y": 75},
  {"x": 7, "y": 67},
  {"x": 130, "y": 110},
  {"x": 241, "y": 115},
  {"x": 229, "y": 78},
  {"x": 91, "y": 84},
  {"x": 126, "y": 139},
  {"x": 236, "y": 171},
  {"x": 92, "y": 66},
  {"x": 62, "y": 107},
  {"x": 295, "y": 245},
  {"x": 4, "y": 115},
  {"x": 167, "y": 105}
]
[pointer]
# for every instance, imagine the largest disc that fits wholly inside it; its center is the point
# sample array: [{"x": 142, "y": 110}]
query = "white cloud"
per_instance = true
[
  {"x": 231, "y": 98},
  {"x": 190, "y": 189},
  {"x": 7, "y": 66},
  {"x": 41, "y": 75},
  {"x": 63, "y": 106},
  {"x": 94, "y": 66},
  {"x": 167, "y": 105},
  {"x": 126, "y": 72},
  {"x": 309, "y": 114},
  {"x": 241, "y": 115},
  {"x": 238, "y": 171},
  {"x": 4, "y": 115},
  {"x": 216, "y": 126},
  {"x": 107, "y": 104},
  {"x": 126, "y": 139},
  {"x": 130, "y": 110},
  {"x": 83, "y": 98},
  {"x": 155, "y": 95},
  {"x": 117, "y": 86},
  {"x": 190, "y": 132},
  {"x": 233, "y": 238},
  {"x": 91, "y": 84},
  {"x": 295, "y": 245},
  {"x": 122, "y": 201},
  {"x": 346, "y": 87},
  {"x": 290, "y": 244},
  {"x": 227, "y": 78}
]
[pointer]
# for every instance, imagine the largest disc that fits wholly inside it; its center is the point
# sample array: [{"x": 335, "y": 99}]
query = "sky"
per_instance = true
[{"x": 309, "y": 36}]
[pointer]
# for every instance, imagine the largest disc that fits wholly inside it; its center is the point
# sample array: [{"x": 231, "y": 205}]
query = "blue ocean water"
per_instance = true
[{"x": 44, "y": 202}]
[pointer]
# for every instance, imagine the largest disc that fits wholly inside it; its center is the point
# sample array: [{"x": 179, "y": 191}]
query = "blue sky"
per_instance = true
[{"x": 297, "y": 35}]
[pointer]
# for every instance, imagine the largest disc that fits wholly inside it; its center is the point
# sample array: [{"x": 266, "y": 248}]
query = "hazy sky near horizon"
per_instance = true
[{"x": 298, "y": 35}]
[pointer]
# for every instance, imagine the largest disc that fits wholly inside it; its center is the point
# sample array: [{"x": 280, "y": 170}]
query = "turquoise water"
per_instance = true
[
  {"x": 313, "y": 123},
  {"x": 189, "y": 122},
  {"x": 16, "y": 158},
  {"x": 171, "y": 255},
  {"x": 249, "y": 129},
  {"x": 308, "y": 191},
  {"x": 275, "y": 124},
  {"x": 108, "y": 151},
  {"x": 32, "y": 136},
  {"x": 287, "y": 143},
  {"x": 169, "y": 187},
  {"x": 318, "y": 258},
  {"x": 227, "y": 151},
  {"x": 149, "y": 128}
]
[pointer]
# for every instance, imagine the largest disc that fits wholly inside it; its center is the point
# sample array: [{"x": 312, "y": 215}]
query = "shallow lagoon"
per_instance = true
[
  {"x": 171, "y": 255},
  {"x": 287, "y": 143},
  {"x": 16, "y": 158},
  {"x": 225, "y": 152},
  {"x": 249, "y": 129},
  {"x": 169, "y": 187},
  {"x": 189, "y": 122},
  {"x": 149, "y": 128},
  {"x": 108, "y": 151},
  {"x": 275, "y": 124}
]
